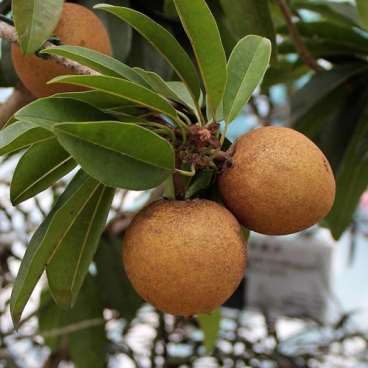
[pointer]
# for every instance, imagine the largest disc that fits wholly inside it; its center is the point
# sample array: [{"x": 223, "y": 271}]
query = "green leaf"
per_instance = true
[
  {"x": 156, "y": 83},
  {"x": 21, "y": 135},
  {"x": 46, "y": 239},
  {"x": 337, "y": 134},
  {"x": 210, "y": 325},
  {"x": 41, "y": 166},
  {"x": 35, "y": 20},
  {"x": 201, "y": 28},
  {"x": 320, "y": 86},
  {"x": 250, "y": 17},
  {"x": 97, "y": 99},
  {"x": 169, "y": 9},
  {"x": 118, "y": 154},
  {"x": 115, "y": 288},
  {"x": 351, "y": 180},
  {"x": 163, "y": 41},
  {"x": 122, "y": 88},
  {"x": 176, "y": 91},
  {"x": 45, "y": 112},
  {"x": 362, "y": 6},
  {"x": 96, "y": 60},
  {"x": 322, "y": 113},
  {"x": 70, "y": 262},
  {"x": 246, "y": 68},
  {"x": 183, "y": 94}
]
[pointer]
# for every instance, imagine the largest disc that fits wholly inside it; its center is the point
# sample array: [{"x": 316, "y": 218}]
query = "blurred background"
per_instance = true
[{"x": 304, "y": 299}]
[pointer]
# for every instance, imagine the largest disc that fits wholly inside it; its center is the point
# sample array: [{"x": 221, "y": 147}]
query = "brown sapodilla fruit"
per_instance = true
[
  {"x": 78, "y": 26},
  {"x": 280, "y": 182},
  {"x": 185, "y": 257}
]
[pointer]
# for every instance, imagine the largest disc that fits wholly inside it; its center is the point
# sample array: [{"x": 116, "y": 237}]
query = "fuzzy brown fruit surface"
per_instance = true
[
  {"x": 280, "y": 182},
  {"x": 185, "y": 257},
  {"x": 78, "y": 26}
]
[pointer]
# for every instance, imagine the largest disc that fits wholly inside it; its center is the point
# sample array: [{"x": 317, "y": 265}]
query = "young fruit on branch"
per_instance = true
[
  {"x": 185, "y": 257},
  {"x": 280, "y": 182},
  {"x": 78, "y": 26}
]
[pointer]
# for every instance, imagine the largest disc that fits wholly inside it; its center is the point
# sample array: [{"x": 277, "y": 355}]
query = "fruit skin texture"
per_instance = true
[
  {"x": 280, "y": 182},
  {"x": 78, "y": 26},
  {"x": 185, "y": 257}
]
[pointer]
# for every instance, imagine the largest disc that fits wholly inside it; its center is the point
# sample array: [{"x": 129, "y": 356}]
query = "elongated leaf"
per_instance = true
[
  {"x": 363, "y": 12},
  {"x": 118, "y": 154},
  {"x": 201, "y": 28},
  {"x": 351, "y": 181},
  {"x": 45, "y": 112},
  {"x": 97, "y": 99},
  {"x": 122, "y": 88},
  {"x": 116, "y": 291},
  {"x": 246, "y": 68},
  {"x": 96, "y": 60},
  {"x": 40, "y": 167},
  {"x": 181, "y": 91},
  {"x": 322, "y": 113},
  {"x": 163, "y": 41},
  {"x": 210, "y": 325},
  {"x": 35, "y": 20},
  {"x": 156, "y": 83},
  {"x": 21, "y": 135},
  {"x": 68, "y": 267},
  {"x": 336, "y": 135},
  {"x": 320, "y": 86},
  {"x": 170, "y": 90},
  {"x": 250, "y": 17},
  {"x": 46, "y": 239}
]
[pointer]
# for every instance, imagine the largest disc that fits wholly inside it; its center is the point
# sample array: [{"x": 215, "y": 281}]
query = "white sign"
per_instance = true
[{"x": 291, "y": 275}]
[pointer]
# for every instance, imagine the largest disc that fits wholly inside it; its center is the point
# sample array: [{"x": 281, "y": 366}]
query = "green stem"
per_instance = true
[
  {"x": 190, "y": 173},
  {"x": 199, "y": 114},
  {"x": 184, "y": 117},
  {"x": 161, "y": 127},
  {"x": 183, "y": 128}
]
